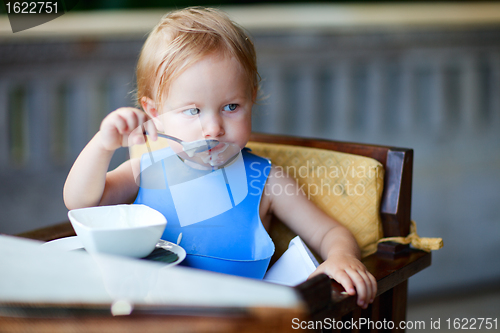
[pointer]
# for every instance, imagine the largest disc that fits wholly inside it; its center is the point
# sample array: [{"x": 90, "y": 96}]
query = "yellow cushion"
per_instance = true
[{"x": 347, "y": 187}]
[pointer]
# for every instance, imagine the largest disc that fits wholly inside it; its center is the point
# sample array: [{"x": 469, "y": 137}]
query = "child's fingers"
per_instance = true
[
  {"x": 345, "y": 280},
  {"x": 133, "y": 117},
  {"x": 370, "y": 288},
  {"x": 151, "y": 129},
  {"x": 139, "y": 121},
  {"x": 358, "y": 281},
  {"x": 136, "y": 137},
  {"x": 143, "y": 123},
  {"x": 120, "y": 124},
  {"x": 361, "y": 287},
  {"x": 371, "y": 284},
  {"x": 119, "y": 127},
  {"x": 374, "y": 287},
  {"x": 366, "y": 286},
  {"x": 115, "y": 120}
]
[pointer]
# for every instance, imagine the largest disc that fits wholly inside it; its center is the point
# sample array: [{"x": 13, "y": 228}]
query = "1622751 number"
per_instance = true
[
  {"x": 472, "y": 323},
  {"x": 32, "y": 7}
]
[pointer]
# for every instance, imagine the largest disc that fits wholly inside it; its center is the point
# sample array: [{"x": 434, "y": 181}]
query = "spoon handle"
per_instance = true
[{"x": 173, "y": 138}]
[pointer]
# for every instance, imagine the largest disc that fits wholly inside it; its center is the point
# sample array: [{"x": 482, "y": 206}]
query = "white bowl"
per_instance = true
[{"x": 127, "y": 230}]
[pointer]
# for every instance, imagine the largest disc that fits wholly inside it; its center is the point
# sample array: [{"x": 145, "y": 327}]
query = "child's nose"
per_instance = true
[{"x": 212, "y": 126}]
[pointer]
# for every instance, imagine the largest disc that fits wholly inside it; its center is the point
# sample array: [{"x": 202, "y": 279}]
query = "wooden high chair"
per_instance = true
[{"x": 392, "y": 264}]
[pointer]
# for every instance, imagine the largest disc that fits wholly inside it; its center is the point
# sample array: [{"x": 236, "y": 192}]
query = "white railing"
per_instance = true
[
  {"x": 416, "y": 94},
  {"x": 49, "y": 115}
]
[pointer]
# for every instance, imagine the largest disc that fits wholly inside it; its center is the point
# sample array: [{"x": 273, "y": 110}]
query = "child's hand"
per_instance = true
[
  {"x": 124, "y": 127},
  {"x": 352, "y": 275}
]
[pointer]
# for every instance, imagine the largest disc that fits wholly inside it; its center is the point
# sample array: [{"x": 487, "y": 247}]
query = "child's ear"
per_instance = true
[
  {"x": 149, "y": 106},
  {"x": 254, "y": 95}
]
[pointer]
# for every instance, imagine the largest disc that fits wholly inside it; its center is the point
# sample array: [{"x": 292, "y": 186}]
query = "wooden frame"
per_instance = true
[{"x": 392, "y": 265}]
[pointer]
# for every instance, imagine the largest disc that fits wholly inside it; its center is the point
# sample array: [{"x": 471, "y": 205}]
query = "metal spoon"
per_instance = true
[{"x": 192, "y": 147}]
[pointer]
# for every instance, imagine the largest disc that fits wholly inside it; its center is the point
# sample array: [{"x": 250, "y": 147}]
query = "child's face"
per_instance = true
[{"x": 212, "y": 99}]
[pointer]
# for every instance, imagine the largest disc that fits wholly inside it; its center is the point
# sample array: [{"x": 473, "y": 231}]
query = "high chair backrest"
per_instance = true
[{"x": 378, "y": 202}]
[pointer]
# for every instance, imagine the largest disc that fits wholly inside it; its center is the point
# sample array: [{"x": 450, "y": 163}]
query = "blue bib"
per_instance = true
[{"x": 217, "y": 212}]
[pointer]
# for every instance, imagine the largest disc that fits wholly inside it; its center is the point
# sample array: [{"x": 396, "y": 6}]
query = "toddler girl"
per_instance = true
[{"x": 197, "y": 79}]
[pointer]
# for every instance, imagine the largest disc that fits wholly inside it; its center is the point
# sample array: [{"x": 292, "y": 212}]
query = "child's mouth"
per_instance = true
[
  {"x": 220, "y": 146},
  {"x": 215, "y": 156}
]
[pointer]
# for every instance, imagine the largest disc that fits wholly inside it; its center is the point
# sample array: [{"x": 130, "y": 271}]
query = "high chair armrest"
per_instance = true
[
  {"x": 64, "y": 229},
  {"x": 325, "y": 299}
]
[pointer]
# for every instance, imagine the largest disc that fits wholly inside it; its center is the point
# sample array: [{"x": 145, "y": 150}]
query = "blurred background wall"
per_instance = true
[{"x": 424, "y": 76}]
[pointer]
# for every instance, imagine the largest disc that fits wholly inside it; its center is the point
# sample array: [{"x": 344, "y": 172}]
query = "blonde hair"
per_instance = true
[{"x": 185, "y": 36}]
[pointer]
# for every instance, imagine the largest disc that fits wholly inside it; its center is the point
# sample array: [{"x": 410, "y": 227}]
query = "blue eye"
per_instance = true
[
  {"x": 230, "y": 107},
  {"x": 191, "y": 112}
]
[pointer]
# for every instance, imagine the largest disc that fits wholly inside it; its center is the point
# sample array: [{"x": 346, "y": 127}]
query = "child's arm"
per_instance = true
[
  {"x": 328, "y": 237},
  {"x": 88, "y": 183}
]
